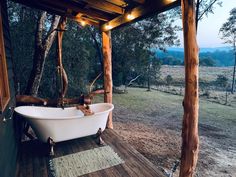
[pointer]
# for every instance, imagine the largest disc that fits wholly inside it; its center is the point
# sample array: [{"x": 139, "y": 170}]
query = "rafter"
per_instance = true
[
  {"x": 102, "y": 13},
  {"x": 39, "y": 5},
  {"x": 121, "y": 3},
  {"x": 67, "y": 4},
  {"x": 139, "y": 1},
  {"x": 140, "y": 12},
  {"x": 105, "y": 6}
]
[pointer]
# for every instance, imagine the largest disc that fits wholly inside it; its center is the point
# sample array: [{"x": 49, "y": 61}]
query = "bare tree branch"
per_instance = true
[
  {"x": 132, "y": 80},
  {"x": 201, "y": 15}
]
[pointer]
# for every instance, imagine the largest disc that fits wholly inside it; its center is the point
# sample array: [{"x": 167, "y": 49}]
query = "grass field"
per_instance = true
[
  {"x": 152, "y": 123},
  {"x": 205, "y": 73},
  {"x": 208, "y": 87},
  {"x": 141, "y": 100}
]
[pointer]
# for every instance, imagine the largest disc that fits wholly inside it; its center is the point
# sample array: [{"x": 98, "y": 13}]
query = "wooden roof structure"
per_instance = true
[
  {"x": 105, "y": 14},
  {"x": 111, "y": 14}
]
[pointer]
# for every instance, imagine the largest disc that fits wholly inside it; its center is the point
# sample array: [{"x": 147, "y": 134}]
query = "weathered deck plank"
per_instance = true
[{"x": 34, "y": 159}]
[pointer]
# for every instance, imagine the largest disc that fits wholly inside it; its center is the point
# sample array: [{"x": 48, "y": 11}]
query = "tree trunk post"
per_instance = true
[
  {"x": 107, "y": 67},
  {"x": 190, "y": 138},
  {"x": 61, "y": 71}
]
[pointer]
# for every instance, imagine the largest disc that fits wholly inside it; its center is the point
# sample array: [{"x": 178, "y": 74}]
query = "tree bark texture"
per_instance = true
[
  {"x": 42, "y": 47},
  {"x": 107, "y": 64},
  {"x": 190, "y": 138}
]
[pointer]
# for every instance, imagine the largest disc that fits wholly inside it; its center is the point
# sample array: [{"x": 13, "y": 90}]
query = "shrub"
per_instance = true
[{"x": 169, "y": 79}]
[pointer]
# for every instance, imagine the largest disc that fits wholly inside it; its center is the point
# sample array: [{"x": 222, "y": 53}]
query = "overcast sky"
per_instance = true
[{"x": 208, "y": 28}]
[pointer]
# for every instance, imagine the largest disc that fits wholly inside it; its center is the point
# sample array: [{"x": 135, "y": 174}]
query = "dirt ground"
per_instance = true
[{"x": 155, "y": 131}]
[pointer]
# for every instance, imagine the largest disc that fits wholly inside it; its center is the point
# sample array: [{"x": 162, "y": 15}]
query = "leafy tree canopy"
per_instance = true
[
  {"x": 228, "y": 34},
  {"x": 228, "y": 29},
  {"x": 207, "y": 61}
]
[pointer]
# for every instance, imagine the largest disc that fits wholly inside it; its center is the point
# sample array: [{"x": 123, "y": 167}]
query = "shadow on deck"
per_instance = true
[{"x": 34, "y": 160}]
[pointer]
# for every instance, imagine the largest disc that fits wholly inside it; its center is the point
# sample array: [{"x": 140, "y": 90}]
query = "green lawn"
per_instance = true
[{"x": 212, "y": 114}]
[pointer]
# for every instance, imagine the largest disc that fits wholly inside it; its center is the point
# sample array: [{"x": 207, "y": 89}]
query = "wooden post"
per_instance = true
[
  {"x": 107, "y": 66},
  {"x": 61, "y": 71},
  {"x": 190, "y": 138}
]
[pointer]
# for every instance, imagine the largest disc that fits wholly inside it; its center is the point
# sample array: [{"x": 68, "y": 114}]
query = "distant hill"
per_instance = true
[
  {"x": 177, "y": 49},
  {"x": 222, "y": 56}
]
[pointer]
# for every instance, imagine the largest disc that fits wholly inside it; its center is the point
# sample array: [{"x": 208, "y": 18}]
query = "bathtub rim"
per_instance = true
[{"x": 62, "y": 118}]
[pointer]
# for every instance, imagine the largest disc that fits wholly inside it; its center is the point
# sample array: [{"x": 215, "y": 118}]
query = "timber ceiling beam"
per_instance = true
[
  {"x": 120, "y": 3},
  {"x": 140, "y": 12},
  {"x": 139, "y": 1},
  {"x": 39, "y": 5},
  {"x": 105, "y": 6},
  {"x": 50, "y": 10},
  {"x": 58, "y": 7},
  {"x": 77, "y": 9}
]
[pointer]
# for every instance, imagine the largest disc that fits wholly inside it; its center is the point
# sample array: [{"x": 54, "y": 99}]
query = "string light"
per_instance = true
[
  {"x": 83, "y": 23},
  {"x": 108, "y": 27},
  {"x": 130, "y": 16},
  {"x": 170, "y": 1}
]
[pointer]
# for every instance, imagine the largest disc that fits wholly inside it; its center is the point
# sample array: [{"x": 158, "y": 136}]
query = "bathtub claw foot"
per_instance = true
[
  {"x": 51, "y": 145},
  {"x": 99, "y": 139}
]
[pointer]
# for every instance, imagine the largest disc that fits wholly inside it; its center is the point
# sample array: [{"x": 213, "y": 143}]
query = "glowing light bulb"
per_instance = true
[
  {"x": 108, "y": 27},
  {"x": 83, "y": 23},
  {"x": 130, "y": 17},
  {"x": 170, "y": 1}
]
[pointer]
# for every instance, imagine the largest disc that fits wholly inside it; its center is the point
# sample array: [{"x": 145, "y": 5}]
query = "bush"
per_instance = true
[
  {"x": 221, "y": 81},
  {"x": 206, "y": 93},
  {"x": 169, "y": 79}
]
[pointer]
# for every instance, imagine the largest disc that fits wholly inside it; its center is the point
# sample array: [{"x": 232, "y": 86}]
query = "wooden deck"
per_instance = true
[{"x": 34, "y": 160}]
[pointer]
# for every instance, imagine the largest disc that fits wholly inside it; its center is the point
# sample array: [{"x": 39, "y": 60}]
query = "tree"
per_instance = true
[
  {"x": 79, "y": 53},
  {"x": 97, "y": 44},
  {"x": 44, "y": 38},
  {"x": 228, "y": 34},
  {"x": 133, "y": 45},
  {"x": 169, "y": 79},
  {"x": 22, "y": 29},
  {"x": 206, "y": 61},
  {"x": 203, "y": 8},
  {"x": 152, "y": 70},
  {"x": 170, "y": 60},
  {"x": 222, "y": 81}
]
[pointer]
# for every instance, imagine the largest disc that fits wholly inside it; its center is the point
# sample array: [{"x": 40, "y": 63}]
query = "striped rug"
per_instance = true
[{"x": 84, "y": 162}]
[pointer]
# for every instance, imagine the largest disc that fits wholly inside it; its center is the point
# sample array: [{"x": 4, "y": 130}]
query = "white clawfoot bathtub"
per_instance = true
[{"x": 65, "y": 124}]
